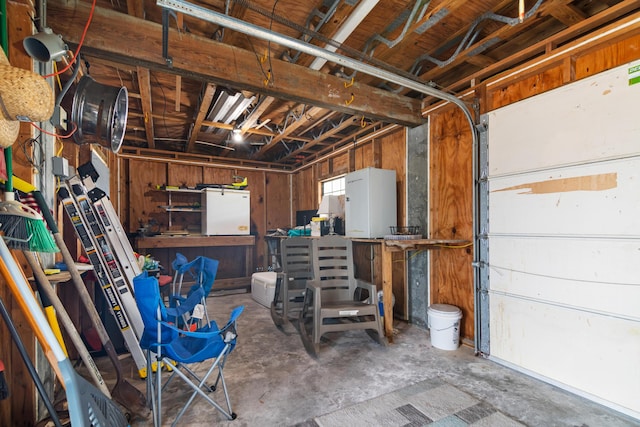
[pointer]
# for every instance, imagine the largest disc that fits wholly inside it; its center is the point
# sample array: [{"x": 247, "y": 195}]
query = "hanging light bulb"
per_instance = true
[{"x": 236, "y": 135}]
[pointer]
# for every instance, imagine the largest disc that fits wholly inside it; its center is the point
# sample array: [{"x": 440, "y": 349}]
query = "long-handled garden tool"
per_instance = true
[
  {"x": 123, "y": 391},
  {"x": 88, "y": 406},
  {"x": 48, "y": 290},
  {"x": 29, "y": 364},
  {"x": 16, "y": 218}
]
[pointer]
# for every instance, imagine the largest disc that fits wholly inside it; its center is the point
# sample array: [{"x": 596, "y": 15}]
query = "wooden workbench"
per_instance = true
[
  {"x": 223, "y": 248},
  {"x": 388, "y": 248}
]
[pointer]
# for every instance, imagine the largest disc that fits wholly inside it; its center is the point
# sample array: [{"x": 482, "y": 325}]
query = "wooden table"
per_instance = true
[
  {"x": 200, "y": 241},
  {"x": 388, "y": 247}
]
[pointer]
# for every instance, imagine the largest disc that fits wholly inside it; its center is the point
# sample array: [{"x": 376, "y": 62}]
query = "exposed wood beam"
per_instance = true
[
  {"x": 211, "y": 61},
  {"x": 480, "y": 61},
  {"x": 310, "y": 115},
  {"x": 566, "y": 13},
  {"x": 415, "y": 30},
  {"x": 320, "y": 141},
  {"x": 329, "y": 29},
  {"x": 178, "y": 92},
  {"x": 256, "y": 113},
  {"x": 263, "y": 132},
  {"x": 144, "y": 83},
  {"x": 505, "y": 32},
  {"x": 203, "y": 108}
]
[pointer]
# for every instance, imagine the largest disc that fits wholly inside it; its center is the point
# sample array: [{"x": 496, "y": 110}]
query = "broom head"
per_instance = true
[{"x": 24, "y": 228}]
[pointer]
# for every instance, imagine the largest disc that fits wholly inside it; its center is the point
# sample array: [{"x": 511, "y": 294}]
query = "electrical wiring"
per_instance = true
[
  {"x": 258, "y": 58},
  {"x": 84, "y": 33},
  {"x": 75, "y": 128},
  {"x": 271, "y": 79},
  {"x": 164, "y": 98},
  {"x": 29, "y": 147}
]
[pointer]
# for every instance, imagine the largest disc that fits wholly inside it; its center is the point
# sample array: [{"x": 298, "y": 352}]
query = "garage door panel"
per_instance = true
[
  {"x": 586, "y": 352},
  {"x": 589, "y": 120},
  {"x": 596, "y": 199},
  {"x": 600, "y": 276}
]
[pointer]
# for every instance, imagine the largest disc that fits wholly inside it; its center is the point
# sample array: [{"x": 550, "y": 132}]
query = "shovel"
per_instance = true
[{"x": 123, "y": 391}]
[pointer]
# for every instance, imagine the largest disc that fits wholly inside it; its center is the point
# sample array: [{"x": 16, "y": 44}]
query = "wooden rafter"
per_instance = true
[
  {"x": 144, "y": 83},
  {"x": 203, "y": 108},
  {"x": 222, "y": 64}
]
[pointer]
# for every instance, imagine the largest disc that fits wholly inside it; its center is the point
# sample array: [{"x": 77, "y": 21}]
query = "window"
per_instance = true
[{"x": 333, "y": 186}]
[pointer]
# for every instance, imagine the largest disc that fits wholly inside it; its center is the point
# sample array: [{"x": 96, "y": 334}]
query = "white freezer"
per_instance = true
[{"x": 225, "y": 212}]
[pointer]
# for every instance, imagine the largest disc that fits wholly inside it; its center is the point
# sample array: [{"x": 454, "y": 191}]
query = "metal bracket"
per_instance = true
[{"x": 165, "y": 37}]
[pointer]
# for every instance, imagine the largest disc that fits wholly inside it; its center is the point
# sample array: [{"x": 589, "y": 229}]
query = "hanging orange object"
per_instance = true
[{"x": 521, "y": 11}]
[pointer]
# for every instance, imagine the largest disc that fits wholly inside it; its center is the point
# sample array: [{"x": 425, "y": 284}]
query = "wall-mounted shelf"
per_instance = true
[{"x": 170, "y": 207}]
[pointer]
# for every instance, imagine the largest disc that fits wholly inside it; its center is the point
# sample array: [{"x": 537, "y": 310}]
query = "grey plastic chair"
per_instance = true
[
  {"x": 297, "y": 268},
  {"x": 334, "y": 299}
]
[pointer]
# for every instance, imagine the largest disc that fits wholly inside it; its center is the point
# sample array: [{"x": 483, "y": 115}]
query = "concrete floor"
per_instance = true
[{"x": 272, "y": 381}]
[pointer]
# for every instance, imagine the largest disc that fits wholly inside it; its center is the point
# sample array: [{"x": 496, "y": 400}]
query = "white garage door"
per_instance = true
[{"x": 564, "y": 237}]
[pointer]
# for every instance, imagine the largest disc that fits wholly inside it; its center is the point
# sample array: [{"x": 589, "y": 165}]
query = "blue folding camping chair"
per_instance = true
[
  {"x": 201, "y": 273},
  {"x": 178, "y": 348}
]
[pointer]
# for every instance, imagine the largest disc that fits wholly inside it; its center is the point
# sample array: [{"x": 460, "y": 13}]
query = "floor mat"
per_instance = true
[{"x": 428, "y": 403}]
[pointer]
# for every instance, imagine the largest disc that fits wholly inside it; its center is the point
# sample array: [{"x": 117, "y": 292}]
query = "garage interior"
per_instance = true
[{"x": 509, "y": 125}]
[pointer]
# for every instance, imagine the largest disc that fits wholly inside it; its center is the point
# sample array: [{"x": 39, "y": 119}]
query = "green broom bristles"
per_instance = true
[{"x": 24, "y": 228}]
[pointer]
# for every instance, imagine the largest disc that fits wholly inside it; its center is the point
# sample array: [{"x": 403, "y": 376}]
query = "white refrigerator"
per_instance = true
[
  {"x": 225, "y": 212},
  {"x": 370, "y": 203}
]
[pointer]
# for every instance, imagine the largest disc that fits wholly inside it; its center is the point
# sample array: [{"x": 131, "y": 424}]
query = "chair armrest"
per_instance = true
[
  {"x": 211, "y": 332},
  {"x": 373, "y": 292},
  {"x": 186, "y": 304},
  {"x": 314, "y": 285}
]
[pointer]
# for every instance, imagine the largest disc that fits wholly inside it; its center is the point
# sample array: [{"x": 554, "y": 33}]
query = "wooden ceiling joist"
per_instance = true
[{"x": 219, "y": 63}]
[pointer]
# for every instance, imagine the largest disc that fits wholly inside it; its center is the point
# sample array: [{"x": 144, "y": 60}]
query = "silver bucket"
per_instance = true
[{"x": 100, "y": 112}]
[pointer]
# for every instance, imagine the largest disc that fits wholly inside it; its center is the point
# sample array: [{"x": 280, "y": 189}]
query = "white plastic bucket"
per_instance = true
[{"x": 444, "y": 326}]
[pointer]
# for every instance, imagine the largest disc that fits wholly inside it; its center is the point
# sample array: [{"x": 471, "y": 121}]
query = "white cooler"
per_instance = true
[{"x": 263, "y": 287}]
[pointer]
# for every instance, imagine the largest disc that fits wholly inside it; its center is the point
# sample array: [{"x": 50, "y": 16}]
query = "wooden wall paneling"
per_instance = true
[
  {"x": 184, "y": 175},
  {"x": 377, "y": 155},
  {"x": 608, "y": 56},
  {"x": 392, "y": 155},
  {"x": 278, "y": 196},
  {"x": 257, "y": 188},
  {"x": 451, "y": 275},
  {"x": 323, "y": 169},
  {"x": 304, "y": 191},
  {"x": 277, "y": 211},
  {"x": 363, "y": 154},
  {"x": 340, "y": 164},
  {"x": 542, "y": 80},
  {"x": 144, "y": 199},
  {"x": 212, "y": 175},
  {"x": 122, "y": 195}
]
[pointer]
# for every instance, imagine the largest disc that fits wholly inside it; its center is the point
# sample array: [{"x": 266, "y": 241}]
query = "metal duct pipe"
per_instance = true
[
  {"x": 256, "y": 31},
  {"x": 358, "y": 15}
]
